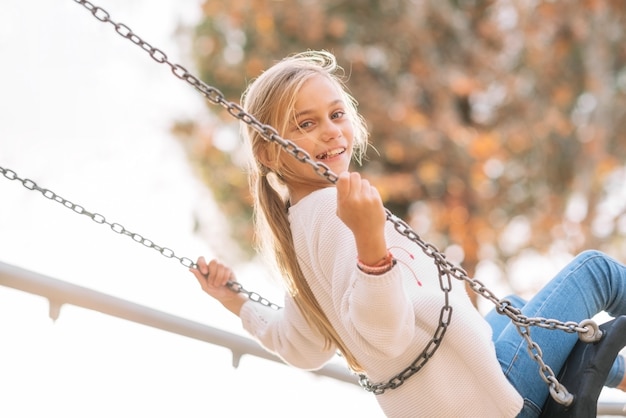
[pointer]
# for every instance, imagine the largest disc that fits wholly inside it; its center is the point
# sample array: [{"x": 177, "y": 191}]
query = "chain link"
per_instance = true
[
  {"x": 120, "y": 229},
  {"x": 446, "y": 269}
]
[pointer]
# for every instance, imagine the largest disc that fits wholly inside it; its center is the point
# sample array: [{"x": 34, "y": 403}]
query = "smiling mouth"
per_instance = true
[{"x": 330, "y": 154}]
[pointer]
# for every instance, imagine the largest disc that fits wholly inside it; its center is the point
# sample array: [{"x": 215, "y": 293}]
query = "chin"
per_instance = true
[{"x": 340, "y": 166}]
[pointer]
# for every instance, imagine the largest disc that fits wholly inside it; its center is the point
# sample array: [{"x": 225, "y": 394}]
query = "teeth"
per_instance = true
[{"x": 330, "y": 154}]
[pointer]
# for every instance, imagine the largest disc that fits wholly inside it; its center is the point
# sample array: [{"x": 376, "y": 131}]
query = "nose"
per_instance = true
[{"x": 330, "y": 130}]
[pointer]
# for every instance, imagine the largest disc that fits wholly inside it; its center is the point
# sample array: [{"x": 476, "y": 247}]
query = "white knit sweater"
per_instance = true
[{"x": 386, "y": 321}]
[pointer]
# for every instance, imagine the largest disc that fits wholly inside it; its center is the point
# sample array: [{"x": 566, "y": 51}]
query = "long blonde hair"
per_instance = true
[{"x": 271, "y": 98}]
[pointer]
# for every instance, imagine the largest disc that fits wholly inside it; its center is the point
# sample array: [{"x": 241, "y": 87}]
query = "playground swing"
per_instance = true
[
  {"x": 585, "y": 370},
  {"x": 587, "y": 366}
]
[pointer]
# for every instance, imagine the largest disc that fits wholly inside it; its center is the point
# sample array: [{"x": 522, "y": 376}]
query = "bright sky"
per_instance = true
[{"x": 86, "y": 114}]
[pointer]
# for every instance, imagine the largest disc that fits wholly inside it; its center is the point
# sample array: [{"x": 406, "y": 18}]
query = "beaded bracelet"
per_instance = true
[{"x": 383, "y": 266}]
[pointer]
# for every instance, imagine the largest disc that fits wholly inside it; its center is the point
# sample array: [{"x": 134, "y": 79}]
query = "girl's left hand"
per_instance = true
[{"x": 360, "y": 207}]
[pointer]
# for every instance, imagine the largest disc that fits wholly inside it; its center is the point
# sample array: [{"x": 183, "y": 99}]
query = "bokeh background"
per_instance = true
[
  {"x": 497, "y": 128},
  {"x": 498, "y": 124}
]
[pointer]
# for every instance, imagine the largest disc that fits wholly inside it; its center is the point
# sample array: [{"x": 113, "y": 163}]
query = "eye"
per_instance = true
[
  {"x": 306, "y": 124},
  {"x": 338, "y": 114}
]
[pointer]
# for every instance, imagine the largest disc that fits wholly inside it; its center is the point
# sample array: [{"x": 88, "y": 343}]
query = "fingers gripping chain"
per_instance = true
[{"x": 238, "y": 288}]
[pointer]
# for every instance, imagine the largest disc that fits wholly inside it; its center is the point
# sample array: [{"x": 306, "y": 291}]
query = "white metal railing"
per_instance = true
[{"x": 60, "y": 293}]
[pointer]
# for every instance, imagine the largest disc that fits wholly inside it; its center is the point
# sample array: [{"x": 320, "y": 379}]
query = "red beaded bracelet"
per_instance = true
[{"x": 383, "y": 266}]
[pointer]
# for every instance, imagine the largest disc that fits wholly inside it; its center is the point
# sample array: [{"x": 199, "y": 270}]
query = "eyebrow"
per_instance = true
[{"x": 306, "y": 111}]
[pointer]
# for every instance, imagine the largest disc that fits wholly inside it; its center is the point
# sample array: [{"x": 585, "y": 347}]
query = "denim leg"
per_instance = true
[
  {"x": 591, "y": 283},
  {"x": 498, "y": 322},
  {"x": 616, "y": 374}
]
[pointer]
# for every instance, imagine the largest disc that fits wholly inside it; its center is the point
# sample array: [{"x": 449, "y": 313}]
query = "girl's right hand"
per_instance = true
[{"x": 213, "y": 278}]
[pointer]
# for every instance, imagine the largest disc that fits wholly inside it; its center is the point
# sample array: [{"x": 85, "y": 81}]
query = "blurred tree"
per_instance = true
[{"x": 498, "y": 123}]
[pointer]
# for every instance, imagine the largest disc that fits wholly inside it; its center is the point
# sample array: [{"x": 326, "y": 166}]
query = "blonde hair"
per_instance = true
[{"x": 271, "y": 98}]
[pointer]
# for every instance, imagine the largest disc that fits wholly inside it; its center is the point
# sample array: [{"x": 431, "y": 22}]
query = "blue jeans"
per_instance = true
[{"x": 591, "y": 283}]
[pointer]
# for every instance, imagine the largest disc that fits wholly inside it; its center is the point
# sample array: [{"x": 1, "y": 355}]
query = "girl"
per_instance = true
[{"x": 356, "y": 285}]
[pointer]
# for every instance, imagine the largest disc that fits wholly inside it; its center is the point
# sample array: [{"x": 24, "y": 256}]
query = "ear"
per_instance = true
[{"x": 265, "y": 158}]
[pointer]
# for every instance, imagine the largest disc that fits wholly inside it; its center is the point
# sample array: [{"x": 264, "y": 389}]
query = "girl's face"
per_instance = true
[{"x": 321, "y": 127}]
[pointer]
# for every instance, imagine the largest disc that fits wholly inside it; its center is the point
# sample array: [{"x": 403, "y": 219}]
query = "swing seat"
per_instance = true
[{"x": 586, "y": 370}]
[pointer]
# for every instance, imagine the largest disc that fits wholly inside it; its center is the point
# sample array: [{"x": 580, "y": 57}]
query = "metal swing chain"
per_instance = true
[
  {"x": 118, "y": 228},
  {"x": 587, "y": 330}
]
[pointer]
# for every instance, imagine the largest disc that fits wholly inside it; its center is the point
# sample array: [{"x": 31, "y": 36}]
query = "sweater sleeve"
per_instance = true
[
  {"x": 287, "y": 334},
  {"x": 378, "y": 310},
  {"x": 374, "y": 309}
]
